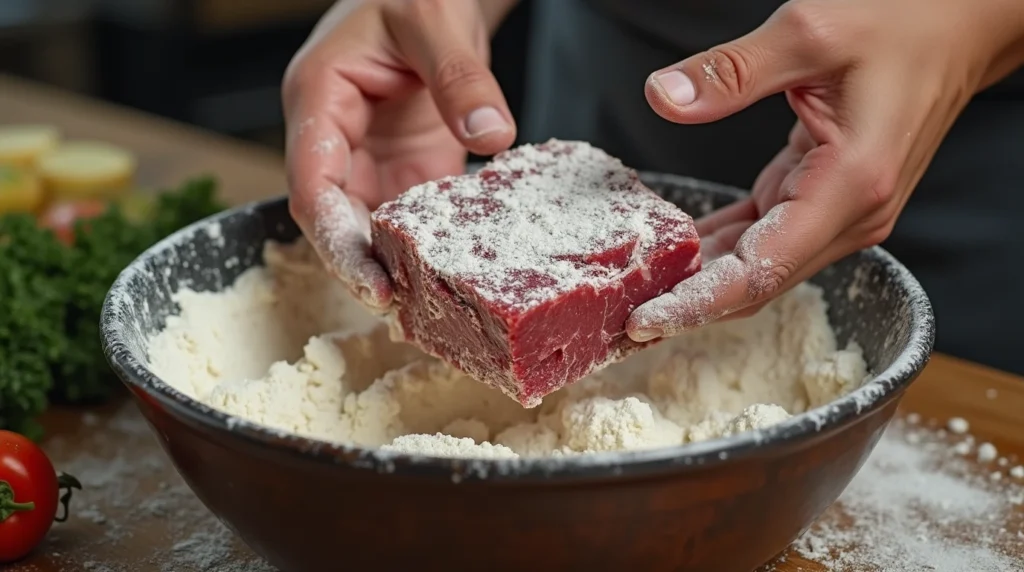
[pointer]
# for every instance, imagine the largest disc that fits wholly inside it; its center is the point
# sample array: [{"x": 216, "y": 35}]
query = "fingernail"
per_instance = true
[
  {"x": 647, "y": 335},
  {"x": 483, "y": 121},
  {"x": 677, "y": 86}
]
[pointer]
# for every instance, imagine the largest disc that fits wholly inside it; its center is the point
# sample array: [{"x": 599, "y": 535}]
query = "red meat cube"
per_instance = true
[{"x": 523, "y": 274}]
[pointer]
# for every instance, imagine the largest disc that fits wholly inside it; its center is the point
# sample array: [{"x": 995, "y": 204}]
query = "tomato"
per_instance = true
[
  {"x": 29, "y": 495},
  {"x": 60, "y": 217}
]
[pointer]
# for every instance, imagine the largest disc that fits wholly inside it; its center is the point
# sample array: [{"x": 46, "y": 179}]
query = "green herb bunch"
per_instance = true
[{"x": 51, "y": 295}]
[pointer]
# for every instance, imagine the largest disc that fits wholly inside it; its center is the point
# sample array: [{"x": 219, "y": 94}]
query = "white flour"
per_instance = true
[
  {"x": 921, "y": 504},
  {"x": 442, "y": 445},
  {"x": 288, "y": 348}
]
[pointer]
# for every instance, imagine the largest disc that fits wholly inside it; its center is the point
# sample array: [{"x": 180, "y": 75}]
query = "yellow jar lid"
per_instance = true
[
  {"x": 20, "y": 191},
  {"x": 87, "y": 169},
  {"x": 21, "y": 145}
]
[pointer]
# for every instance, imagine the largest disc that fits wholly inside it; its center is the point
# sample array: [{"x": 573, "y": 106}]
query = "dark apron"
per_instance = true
[{"x": 962, "y": 233}]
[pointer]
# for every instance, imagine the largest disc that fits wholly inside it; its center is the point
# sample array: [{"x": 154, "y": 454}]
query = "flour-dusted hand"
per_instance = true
[
  {"x": 383, "y": 96},
  {"x": 875, "y": 85}
]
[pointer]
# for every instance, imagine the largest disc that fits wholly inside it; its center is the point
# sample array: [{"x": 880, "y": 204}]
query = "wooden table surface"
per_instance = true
[{"x": 137, "y": 514}]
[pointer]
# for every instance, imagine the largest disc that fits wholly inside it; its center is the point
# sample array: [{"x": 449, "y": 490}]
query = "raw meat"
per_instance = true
[{"x": 523, "y": 274}]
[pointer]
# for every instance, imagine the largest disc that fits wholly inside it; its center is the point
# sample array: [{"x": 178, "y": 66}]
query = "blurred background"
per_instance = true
[{"x": 216, "y": 64}]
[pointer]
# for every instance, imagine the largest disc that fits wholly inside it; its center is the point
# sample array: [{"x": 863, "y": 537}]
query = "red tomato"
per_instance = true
[
  {"x": 60, "y": 217},
  {"x": 29, "y": 495}
]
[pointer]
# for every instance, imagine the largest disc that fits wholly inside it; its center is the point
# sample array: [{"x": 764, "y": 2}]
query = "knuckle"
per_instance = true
[
  {"x": 878, "y": 190},
  {"x": 409, "y": 12},
  {"x": 883, "y": 191},
  {"x": 300, "y": 76},
  {"x": 811, "y": 25},
  {"x": 458, "y": 71},
  {"x": 730, "y": 68},
  {"x": 768, "y": 277},
  {"x": 297, "y": 208},
  {"x": 290, "y": 82},
  {"x": 871, "y": 183}
]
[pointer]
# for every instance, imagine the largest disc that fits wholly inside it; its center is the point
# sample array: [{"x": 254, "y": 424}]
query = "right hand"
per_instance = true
[{"x": 384, "y": 95}]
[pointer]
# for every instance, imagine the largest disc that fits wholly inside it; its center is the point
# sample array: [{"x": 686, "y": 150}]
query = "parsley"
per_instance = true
[{"x": 51, "y": 296}]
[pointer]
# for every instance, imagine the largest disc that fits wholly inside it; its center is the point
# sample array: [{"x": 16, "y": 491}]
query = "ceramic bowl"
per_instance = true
[{"x": 726, "y": 505}]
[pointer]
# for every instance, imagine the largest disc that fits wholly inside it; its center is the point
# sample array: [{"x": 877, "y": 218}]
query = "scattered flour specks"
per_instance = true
[
  {"x": 917, "y": 505},
  {"x": 958, "y": 425},
  {"x": 987, "y": 453},
  {"x": 325, "y": 146},
  {"x": 134, "y": 513}
]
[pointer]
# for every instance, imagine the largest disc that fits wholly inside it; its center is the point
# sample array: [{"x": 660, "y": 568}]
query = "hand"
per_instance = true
[
  {"x": 384, "y": 95},
  {"x": 876, "y": 85}
]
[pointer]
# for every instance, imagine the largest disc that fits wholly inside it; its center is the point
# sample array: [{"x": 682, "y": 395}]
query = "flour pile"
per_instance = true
[{"x": 286, "y": 347}]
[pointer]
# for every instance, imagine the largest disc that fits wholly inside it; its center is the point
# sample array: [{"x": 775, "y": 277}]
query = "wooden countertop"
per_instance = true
[
  {"x": 137, "y": 514},
  {"x": 168, "y": 152}
]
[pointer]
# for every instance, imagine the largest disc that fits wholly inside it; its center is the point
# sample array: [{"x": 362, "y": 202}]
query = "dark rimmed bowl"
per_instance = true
[{"x": 726, "y": 505}]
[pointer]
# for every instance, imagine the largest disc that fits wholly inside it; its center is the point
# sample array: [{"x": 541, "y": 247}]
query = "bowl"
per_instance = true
[{"x": 725, "y": 505}]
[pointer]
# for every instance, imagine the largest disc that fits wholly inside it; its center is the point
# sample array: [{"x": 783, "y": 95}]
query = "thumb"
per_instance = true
[
  {"x": 445, "y": 43},
  {"x": 730, "y": 77}
]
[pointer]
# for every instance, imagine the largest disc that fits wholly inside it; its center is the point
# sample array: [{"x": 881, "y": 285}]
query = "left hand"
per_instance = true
[{"x": 875, "y": 85}]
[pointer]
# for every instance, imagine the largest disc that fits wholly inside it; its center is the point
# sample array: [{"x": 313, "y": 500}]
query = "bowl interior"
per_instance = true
[{"x": 872, "y": 300}]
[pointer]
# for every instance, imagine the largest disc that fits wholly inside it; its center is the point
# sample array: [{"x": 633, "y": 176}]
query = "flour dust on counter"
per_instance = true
[
  {"x": 134, "y": 513},
  {"x": 919, "y": 504},
  {"x": 287, "y": 348},
  {"x": 923, "y": 502}
]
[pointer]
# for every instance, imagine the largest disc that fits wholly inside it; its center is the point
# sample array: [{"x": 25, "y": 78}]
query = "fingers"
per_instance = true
[
  {"x": 340, "y": 233},
  {"x": 443, "y": 41},
  {"x": 320, "y": 161},
  {"x": 781, "y": 54},
  {"x": 816, "y": 264},
  {"x": 723, "y": 240},
  {"x": 772, "y": 255},
  {"x": 743, "y": 209},
  {"x": 324, "y": 114},
  {"x": 770, "y": 179},
  {"x": 327, "y": 108},
  {"x": 743, "y": 277}
]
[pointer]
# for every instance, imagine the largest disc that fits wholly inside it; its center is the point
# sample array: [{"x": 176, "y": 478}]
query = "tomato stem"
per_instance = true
[{"x": 7, "y": 504}]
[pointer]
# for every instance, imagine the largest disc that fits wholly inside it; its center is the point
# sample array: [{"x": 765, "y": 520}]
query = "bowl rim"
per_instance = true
[{"x": 802, "y": 428}]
